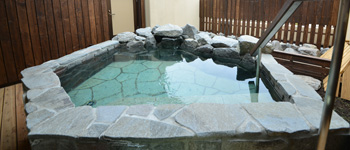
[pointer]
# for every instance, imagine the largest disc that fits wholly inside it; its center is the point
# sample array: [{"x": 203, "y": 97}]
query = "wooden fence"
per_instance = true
[
  {"x": 35, "y": 31},
  {"x": 314, "y": 21}
]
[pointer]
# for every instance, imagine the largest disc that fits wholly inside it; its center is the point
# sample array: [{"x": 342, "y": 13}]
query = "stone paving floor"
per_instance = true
[{"x": 164, "y": 82}]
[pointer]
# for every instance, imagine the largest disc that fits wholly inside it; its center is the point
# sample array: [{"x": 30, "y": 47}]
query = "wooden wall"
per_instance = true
[
  {"x": 35, "y": 31},
  {"x": 314, "y": 22}
]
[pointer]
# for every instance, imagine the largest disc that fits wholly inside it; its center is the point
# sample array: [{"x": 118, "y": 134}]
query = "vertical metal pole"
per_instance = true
[
  {"x": 258, "y": 65},
  {"x": 339, "y": 41}
]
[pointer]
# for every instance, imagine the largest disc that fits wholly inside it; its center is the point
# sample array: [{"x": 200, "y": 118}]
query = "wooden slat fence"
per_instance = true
[
  {"x": 35, "y": 31},
  {"x": 314, "y": 22}
]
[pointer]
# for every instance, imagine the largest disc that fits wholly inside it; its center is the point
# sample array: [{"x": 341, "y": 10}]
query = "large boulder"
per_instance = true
[
  {"x": 140, "y": 38},
  {"x": 189, "y": 44},
  {"x": 151, "y": 43},
  {"x": 203, "y": 38},
  {"x": 189, "y": 30},
  {"x": 205, "y": 51},
  {"x": 136, "y": 46},
  {"x": 154, "y": 28},
  {"x": 168, "y": 30},
  {"x": 309, "y": 51},
  {"x": 314, "y": 83},
  {"x": 247, "y": 62},
  {"x": 226, "y": 54},
  {"x": 287, "y": 45},
  {"x": 125, "y": 37},
  {"x": 291, "y": 50},
  {"x": 145, "y": 32},
  {"x": 170, "y": 43},
  {"x": 310, "y": 46},
  {"x": 247, "y": 43},
  {"x": 276, "y": 45},
  {"x": 232, "y": 37},
  {"x": 221, "y": 41}
]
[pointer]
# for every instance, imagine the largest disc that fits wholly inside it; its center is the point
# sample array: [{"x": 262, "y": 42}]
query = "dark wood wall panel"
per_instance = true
[
  {"x": 314, "y": 22},
  {"x": 35, "y": 31}
]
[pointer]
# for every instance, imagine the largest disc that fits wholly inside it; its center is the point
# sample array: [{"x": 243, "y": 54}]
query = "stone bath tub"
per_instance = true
[{"x": 55, "y": 122}]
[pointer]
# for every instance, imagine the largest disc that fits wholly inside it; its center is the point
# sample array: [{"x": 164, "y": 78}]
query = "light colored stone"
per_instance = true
[
  {"x": 136, "y": 46},
  {"x": 276, "y": 68},
  {"x": 207, "y": 119},
  {"x": 303, "y": 88},
  {"x": 140, "y": 38},
  {"x": 276, "y": 45},
  {"x": 43, "y": 68},
  {"x": 277, "y": 117},
  {"x": 71, "y": 122},
  {"x": 268, "y": 58},
  {"x": 38, "y": 117},
  {"x": 42, "y": 81},
  {"x": 145, "y": 32},
  {"x": 140, "y": 110},
  {"x": 291, "y": 50},
  {"x": 125, "y": 37},
  {"x": 250, "y": 126},
  {"x": 247, "y": 43},
  {"x": 310, "y": 46},
  {"x": 189, "y": 44},
  {"x": 151, "y": 43},
  {"x": 324, "y": 50},
  {"x": 314, "y": 83},
  {"x": 143, "y": 128},
  {"x": 189, "y": 30},
  {"x": 168, "y": 30},
  {"x": 35, "y": 92},
  {"x": 221, "y": 41},
  {"x": 164, "y": 111},
  {"x": 109, "y": 114},
  {"x": 203, "y": 38},
  {"x": 312, "y": 111},
  {"x": 95, "y": 130},
  {"x": 30, "y": 107},
  {"x": 232, "y": 37},
  {"x": 309, "y": 51},
  {"x": 55, "y": 99}
]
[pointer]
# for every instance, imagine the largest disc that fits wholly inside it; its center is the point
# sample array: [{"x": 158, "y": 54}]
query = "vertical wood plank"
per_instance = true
[
  {"x": 321, "y": 23},
  {"x": 22, "y": 132},
  {"x": 233, "y": 14},
  {"x": 6, "y": 46},
  {"x": 8, "y": 129},
  {"x": 345, "y": 89},
  {"x": 3, "y": 76},
  {"x": 92, "y": 21},
  {"x": 34, "y": 32},
  {"x": 2, "y": 95},
  {"x": 201, "y": 15},
  {"x": 329, "y": 24},
  {"x": 313, "y": 22},
  {"x": 66, "y": 26},
  {"x": 51, "y": 29},
  {"x": 59, "y": 28},
  {"x": 238, "y": 19},
  {"x": 80, "y": 23},
  {"x": 86, "y": 20},
  {"x": 15, "y": 35},
  {"x": 105, "y": 19},
  {"x": 73, "y": 25},
  {"x": 44, "y": 39},
  {"x": 110, "y": 19},
  {"x": 300, "y": 24},
  {"x": 306, "y": 25},
  {"x": 214, "y": 17},
  {"x": 279, "y": 36},
  {"x": 98, "y": 18},
  {"x": 25, "y": 34}
]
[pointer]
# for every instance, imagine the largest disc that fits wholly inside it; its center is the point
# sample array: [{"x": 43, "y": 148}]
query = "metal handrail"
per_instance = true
[{"x": 289, "y": 7}]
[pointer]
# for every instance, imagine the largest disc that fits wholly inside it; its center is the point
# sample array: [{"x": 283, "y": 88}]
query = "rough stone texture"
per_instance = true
[
  {"x": 291, "y": 50},
  {"x": 154, "y": 28},
  {"x": 151, "y": 43},
  {"x": 43, "y": 68},
  {"x": 164, "y": 111},
  {"x": 324, "y": 50},
  {"x": 170, "y": 43},
  {"x": 285, "y": 89},
  {"x": 303, "y": 88},
  {"x": 276, "y": 68},
  {"x": 30, "y": 107},
  {"x": 205, "y": 50},
  {"x": 207, "y": 145},
  {"x": 95, "y": 130},
  {"x": 189, "y": 30},
  {"x": 309, "y": 51},
  {"x": 203, "y": 38},
  {"x": 168, "y": 30},
  {"x": 232, "y": 37},
  {"x": 56, "y": 99},
  {"x": 221, "y": 41},
  {"x": 140, "y": 38},
  {"x": 220, "y": 119},
  {"x": 250, "y": 126},
  {"x": 140, "y": 110},
  {"x": 125, "y": 37},
  {"x": 37, "y": 117},
  {"x": 247, "y": 43},
  {"x": 189, "y": 44},
  {"x": 136, "y": 46},
  {"x": 71, "y": 122},
  {"x": 226, "y": 53},
  {"x": 144, "y": 128},
  {"x": 145, "y": 32},
  {"x": 276, "y": 45},
  {"x": 109, "y": 114},
  {"x": 248, "y": 62},
  {"x": 277, "y": 117},
  {"x": 310, "y": 46},
  {"x": 169, "y": 146},
  {"x": 35, "y": 92},
  {"x": 42, "y": 81},
  {"x": 257, "y": 144},
  {"x": 312, "y": 111},
  {"x": 314, "y": 83}
]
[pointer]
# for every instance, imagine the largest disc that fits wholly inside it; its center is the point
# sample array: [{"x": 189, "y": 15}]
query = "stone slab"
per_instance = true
[
  {"x": 143, "y": 128},
  {"x": 55, "y": 99},
  {"x": 164, "y": 111},
  {"x": 95, "y": 130},
  {"x": 109, "y": 114},
  {"x": 140, "y": 110},
  {"x": 277, "y": 117},
  {"x": 38, "y": 117},
  {"x": 303, "y": 88},
  {"x": 206, "y": 119},
  {"x": 42, "y": 81}
]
